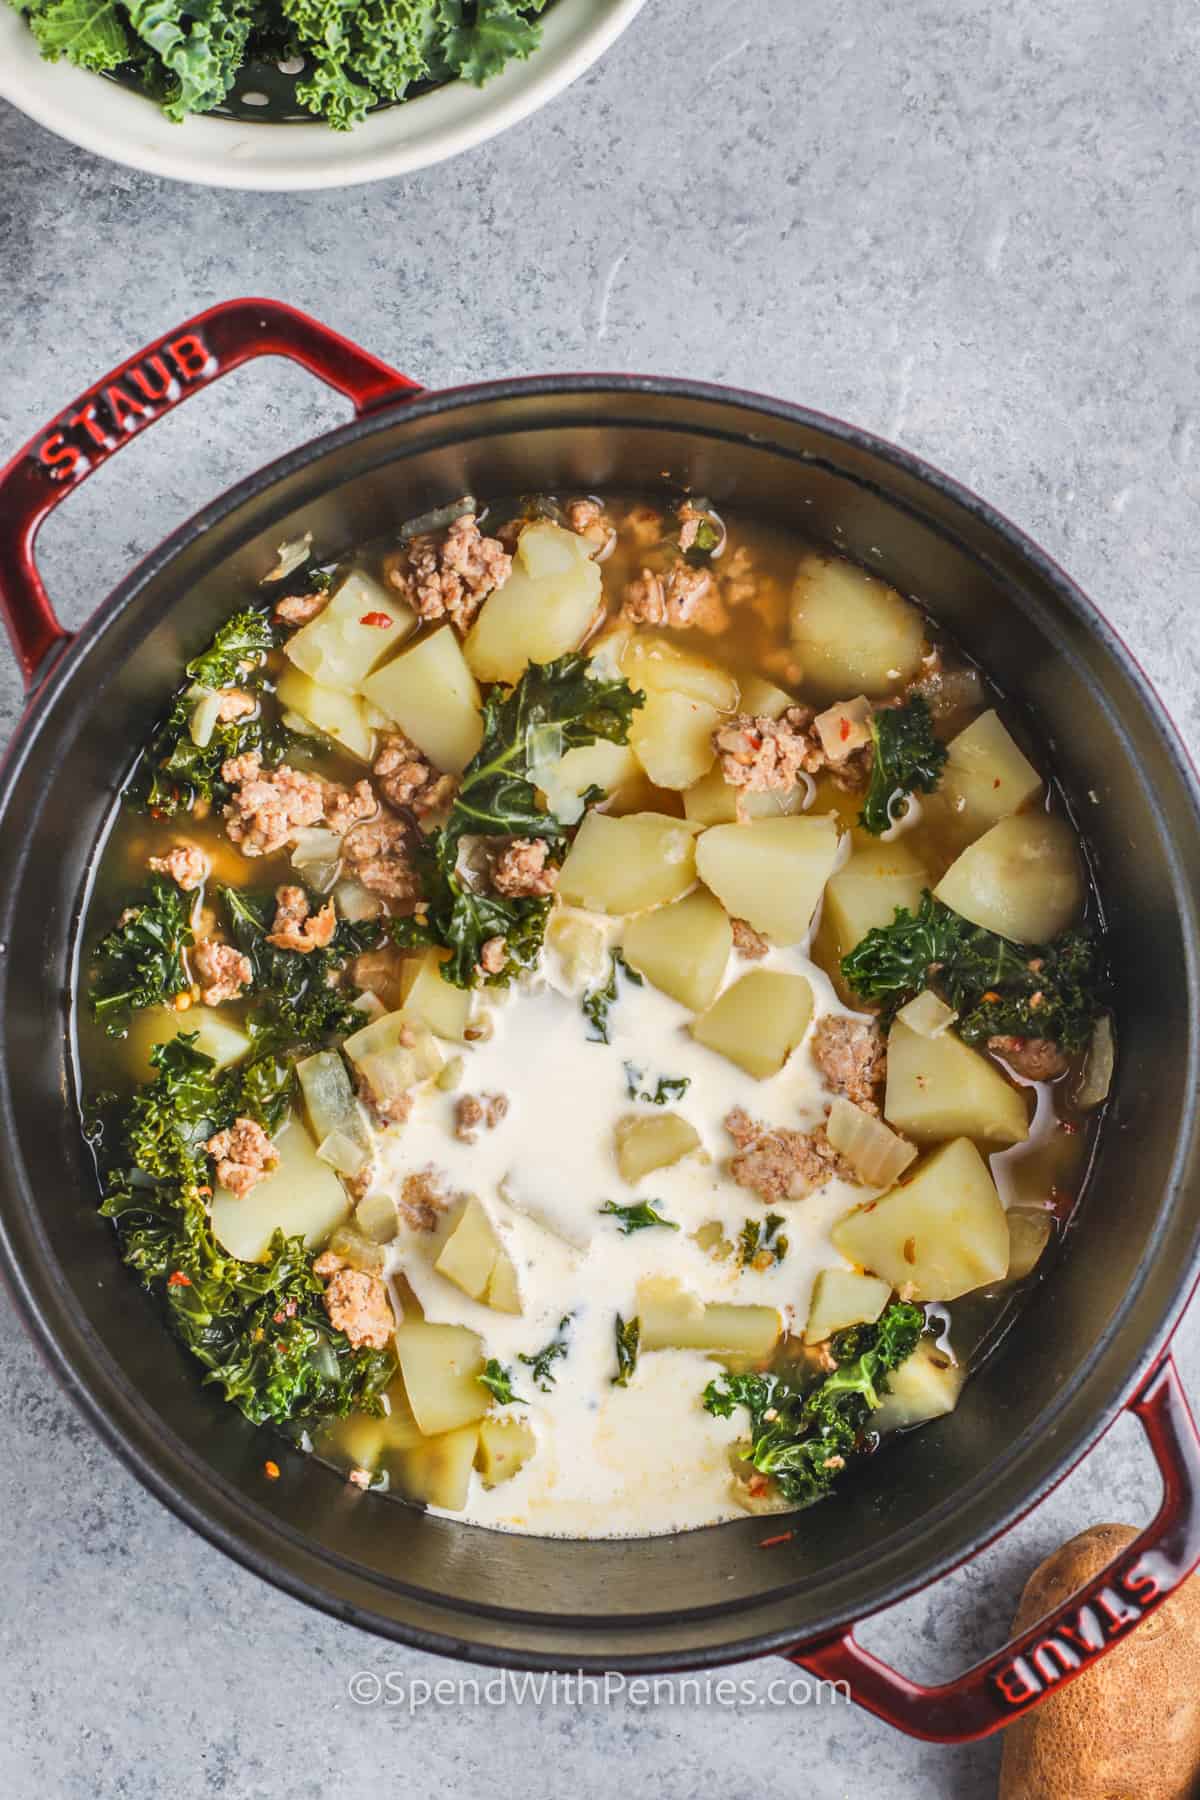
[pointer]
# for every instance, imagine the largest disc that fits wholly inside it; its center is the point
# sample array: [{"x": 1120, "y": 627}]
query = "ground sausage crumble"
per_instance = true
[
  {"x": 243, "y": 1155},
  {"x": 357, "y": 1303}
]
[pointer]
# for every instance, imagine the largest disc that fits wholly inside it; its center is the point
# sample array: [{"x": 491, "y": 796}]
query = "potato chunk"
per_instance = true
[
  {"x": 758, "y": 1020},
  {"x": 503, "y": 1291},
  {"x": 761, "y": 698},
  {"x": 939, "y": 1088},
  {"x": 505, "y": 1446},
  {"x": 329, "y": 710},
  {"x": 673, "y": 1318},
  {"x": 428, "y": 1000},
  {"x": 842, "y": 1297},
  {"x": 771, "y": 872},
  {"x": 1021, "y": 879},
  {"x": 865, "y": 892},
  {"x": 441, "y": 1365},
  {"x": 336, "y": 648},
  {"x": 648, "y": 1141},
  {"x": 215, "y": 1036},
  {"x": 986, "y": 777},
  {"x": 672, "y": 738},
  {"x": 433, "y": 697},
  {"x": 682, "y": 948},
  {"x": 332, "y": 1111},
  {"x": 301, "y": 1197},
  {"x": 656, "y": 665},
  {"x": 925, "y": 1386},
  {"x": 625, "y": 865},
  {"x": 852, "y": 633},
  {"x": 392, "y": 1054},
  {"x": 613, "y": 768},
  {"x": 543, "y": 610},
  {"x": 438, "y": 1472},
  {"x": 468, "y": 1257},
  {"x": 941, "y": 1234},
  {"x": 714, "y": 801}
]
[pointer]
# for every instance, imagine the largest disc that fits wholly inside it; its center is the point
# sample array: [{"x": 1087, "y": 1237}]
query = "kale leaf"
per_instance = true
[
  {"x": 259, "y": 1329},
  {"x": 498, "y": 1381},
  {"x": 637, "y": 1217},
  {"x": 802, "y": 1438},
  {"x": 140, "y": 962},
  {"x": 761, "y": 1243},
  {"x": 627, "y": 1336},
  {"x": 669, "y": 1087},
  {"x": 599, "y": 1003},
  {"x": 1051, "y": 991},
  {"x": 541, "y": 1363},
  {"x": 497, "y": 797},
  {"x": 297, "y": 998},
  {"x": 907, "y": 759}
]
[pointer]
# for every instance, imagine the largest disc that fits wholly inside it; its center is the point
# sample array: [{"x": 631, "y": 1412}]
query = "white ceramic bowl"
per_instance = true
[{"x": 112, "y": 122}]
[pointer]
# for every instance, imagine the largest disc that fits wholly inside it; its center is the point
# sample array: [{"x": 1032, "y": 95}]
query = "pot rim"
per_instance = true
[{"x": 176, "y": 1476}]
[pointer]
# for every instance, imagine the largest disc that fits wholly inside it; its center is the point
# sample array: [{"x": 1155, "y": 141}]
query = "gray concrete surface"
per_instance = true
[{"x": 970, "y": 227}]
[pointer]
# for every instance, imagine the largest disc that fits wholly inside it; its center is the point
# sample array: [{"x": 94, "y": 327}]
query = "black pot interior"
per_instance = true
[{"x": 1090, "y": 1328}]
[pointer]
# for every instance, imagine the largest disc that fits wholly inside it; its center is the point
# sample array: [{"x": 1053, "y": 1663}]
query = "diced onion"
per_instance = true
[
  {"x": 318, "y": 857},
  {"x": 291, "y": 555},
  {"x": 204, "y": 715},
  {"x": 341, "y": 1152},
  {"x": 1097, "y": 1074},
  {"x": 376, "y": 1218},
  {"x": 927, "y": 1015},
  {"x": 360, "y": 1250},
  {"x": 871, "y": 1148}
]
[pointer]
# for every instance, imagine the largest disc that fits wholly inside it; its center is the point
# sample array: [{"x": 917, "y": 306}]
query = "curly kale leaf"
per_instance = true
[
  {"x": 89, "y": 33},
  {"x": 907, "y": 759},
  {"x": 637, "y": 1217},
  {"x": 627, "y": 1337},
  {"x": 599, "y": 1003},
  {"x": 259, "y": 1329},
  {"x": 200, "y": 46},
  {"x": 541, "y": 1363},
  {"x": 1054, "y": 991},
  {"x": 298, "y": 997},
  {"x": 499, "y": 1383},
  {"x": 497, "y": 798},
  {"x": 140, "y": 962},
  {"x": 761, "y": 1243},
  {"x": 802, "y": 1438},
  {"x": 479, "y": 39},
  {"x": 669, "y": 1087}
]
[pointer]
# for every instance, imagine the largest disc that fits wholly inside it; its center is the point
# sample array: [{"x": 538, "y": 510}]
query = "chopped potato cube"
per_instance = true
[
  {"x": 428, "y": 1000},
  {"x": 987, "y": 777},
  {"x": 942, "y": 1233},
  {"x": 657, "y": 665},
  {"x": 216, "y": 1036},
  {"x": 925, "y": 1386},
  {"x": 648, "y": 1141},
  {"x": 758, "y": 1021},
  {"x": 441, "y": 1365},
  {"x": 503, "y": 1291},
  {"x": 536, "y": 617},
  {"x": 505, "y": 1446},
  {"x": 329, "y": 710},
  {"x": 770, "y": 872},
  {"x": 337, "y": 648},
  {"x": 581, "y": 945},
  {"x": 1022, "y": 879},
  {"x": 939, "y": 1088},
  {"x": 714, "y": 801},
  {"x": 761, "y": 698},
  {"x": 433, "y": 697},
  {"x": 851, "y": 632},
  {"x": 613, "y": 768},
  {"x": 842, "y": 1297},
  {"x": 865, "y": 892},
  {"x": 392, "y": 1054},
  {"x": 1029, "y": 1232},
  {"x": 469, "y": 1254},
  {"x": 672, "y": 737},
  {"x": 302, "y": 1197},
  {"x": 673, "y": 1318},
  {"x": 682, "y": 948},
  {"x": 438, "y": 1472},
  {"x": 625, "y": 865}
]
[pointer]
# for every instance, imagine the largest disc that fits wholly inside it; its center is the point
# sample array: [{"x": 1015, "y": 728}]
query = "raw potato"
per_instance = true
[
  {"x": 865, "y": 892},
  {"x": 672, "y": 738},
  {"x": 682, "y": 948},
  {"x": 648, "y": 1141},
  {"x": 758, "y": 1021},
  {"x": 852, "y": 633},
  {"x": 1129, "y": 1726},
  {"x": 215, "y": 1036},
  {"x": 428, "y": 1000},
  {"x": 469, "y": 1254},
  {"x": 336, "y": 648},
  {"x": 673, "y": 1318},
  {"x": 505, "y": 1446},
  {"x": 329, "y": 710},
  {"x": 941, "y": 1234},
  {"x": 771, "y": 872},
  {"x": 625, "y": 865},
  {"x": 536, "y": 617},
  {"x": 656, "y": 665},
  {"x": 713, "y": 801},
  {"x": 438, "y": 1472},
  {"x": 1021, "y": 879},
  {"x": 441, "y": 1365},
  {"x": 986, "y": 777},
  {"x": 924, "y": 1387},
  {"x": 939, "y": 1088},
  {"x": 842, "y": 1297},
  {"x": 433, "y": 697},
  {"x": 302, "y": 1197}
]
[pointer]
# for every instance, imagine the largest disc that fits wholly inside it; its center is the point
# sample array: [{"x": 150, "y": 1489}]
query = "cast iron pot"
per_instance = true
[{"x": 1094, "y": 1337}]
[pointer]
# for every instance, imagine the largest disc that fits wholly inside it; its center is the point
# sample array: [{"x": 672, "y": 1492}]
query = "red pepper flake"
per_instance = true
[
  {"x": 271, "y": 1471},
  {"x": 177, "y": 1278},
  {"x": 381, "y": 620},
  {"x": 844, "y": 730},
  {"x": 991, "y": 995},
  {"x": 769, "y": 1543},
  {"x": 1068, "y": 1126}
]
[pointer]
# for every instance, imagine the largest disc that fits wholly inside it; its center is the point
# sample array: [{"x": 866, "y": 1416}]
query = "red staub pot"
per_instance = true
[{"x": 1093, "y": 1339}]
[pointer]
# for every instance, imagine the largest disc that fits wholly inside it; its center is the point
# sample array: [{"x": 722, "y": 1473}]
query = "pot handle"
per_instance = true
[
  {"x": 1076, "y": 1634},
  {"x": 127, "y": 399}
]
